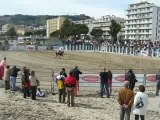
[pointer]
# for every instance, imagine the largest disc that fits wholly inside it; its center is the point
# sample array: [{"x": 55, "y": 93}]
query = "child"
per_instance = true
[
  {"x": 26, "y": 83},
  {"x": 61, "y": 87}
]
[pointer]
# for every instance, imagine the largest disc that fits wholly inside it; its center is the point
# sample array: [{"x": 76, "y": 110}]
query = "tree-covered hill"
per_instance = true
[{"x": 28, "y": 20}]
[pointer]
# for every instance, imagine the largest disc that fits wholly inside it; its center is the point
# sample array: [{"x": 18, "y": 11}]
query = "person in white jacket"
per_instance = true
[{"x": 140, "y": 110}]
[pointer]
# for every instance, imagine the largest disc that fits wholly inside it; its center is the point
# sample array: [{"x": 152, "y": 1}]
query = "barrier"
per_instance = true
[{"x": 153, "y": 52}]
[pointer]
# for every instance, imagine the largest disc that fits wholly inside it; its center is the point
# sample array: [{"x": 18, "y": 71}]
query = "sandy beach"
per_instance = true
[{"x": 88, "y": 104}]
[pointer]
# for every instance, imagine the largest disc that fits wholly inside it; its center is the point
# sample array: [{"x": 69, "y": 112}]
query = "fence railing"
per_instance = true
[{"x": 153, "y": 52}]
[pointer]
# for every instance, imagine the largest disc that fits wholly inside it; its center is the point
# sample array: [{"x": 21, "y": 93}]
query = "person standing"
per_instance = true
[
  {"x": 63, "y": 72},
  {"x": 2, "y": 67},
  {"x": 26, "y": 83},
  {"x": 104, "y": 83},
  {"x": 158, "y": 84},
  {"x": 7, "y": 77},
  {"x": 130, "y": 76},
  {"x": 140, "y": 109},
  {"x": 110, "y": 81},
  {"x": 13, "y": 76},
  {"x": 70, "y": 82},
  {"x": 76, "y": 73},
  {"x": 61, "y": 87},
  {"x": 34, "y": 83},
  {"x": 125, "y": 99}
]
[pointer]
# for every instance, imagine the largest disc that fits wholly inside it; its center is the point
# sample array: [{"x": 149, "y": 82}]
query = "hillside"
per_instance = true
[{"x": 28, "y": 20}]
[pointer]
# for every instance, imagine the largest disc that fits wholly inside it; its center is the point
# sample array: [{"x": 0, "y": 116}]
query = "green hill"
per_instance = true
[{"x": 28, "y": 20}]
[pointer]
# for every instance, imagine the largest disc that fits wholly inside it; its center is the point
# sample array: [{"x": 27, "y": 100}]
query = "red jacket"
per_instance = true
[
  {"x": 70, "y": 81},
  {"x": 27, "y": 84}
]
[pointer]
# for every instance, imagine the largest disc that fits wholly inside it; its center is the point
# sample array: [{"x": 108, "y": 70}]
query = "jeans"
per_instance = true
[
  {"x": 137, "y": 117},
  {"x": 13, "y": 83},
  {"x": 102, "y": 89},
  {"x": 34, "y": 90},
  {"x": 125, "y": 113}
]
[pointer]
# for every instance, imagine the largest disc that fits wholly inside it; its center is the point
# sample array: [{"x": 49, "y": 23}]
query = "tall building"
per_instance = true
[
  {"x": 54, "y": 25},
  {"x": 104, "y": 23},
  {"x": 142, "y": 22}
]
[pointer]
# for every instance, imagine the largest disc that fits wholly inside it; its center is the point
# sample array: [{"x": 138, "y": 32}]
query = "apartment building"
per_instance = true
[
  {"x": 54, "y": 25},
  {"x": 104, "y": 23},
  {"x": 142, "y": 22}
]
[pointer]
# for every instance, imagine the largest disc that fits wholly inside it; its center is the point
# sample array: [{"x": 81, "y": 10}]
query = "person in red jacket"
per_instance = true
[
  {"x": 70, "y": 82},
  {"x": 26, "y": 83}
]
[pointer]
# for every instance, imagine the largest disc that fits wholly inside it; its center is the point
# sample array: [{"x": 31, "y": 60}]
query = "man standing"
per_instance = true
[
  {"x": 7, "y": 77},
  {"x": 158, "y": 84},
  {"x": 130, "y": 76},
  {"x": 125, "y": 99},
  {"x": 104, "y": 82},
  {"x": 76, "y": 73},
  {"x": 13, "y": 76}
]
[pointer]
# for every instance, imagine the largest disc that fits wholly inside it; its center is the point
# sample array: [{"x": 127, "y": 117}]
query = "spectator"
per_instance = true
[
  {"x": 104, "y": 82},
  {"x": 76, "y": 73},
  {"x": 63, "y": 72},
  {"x": 61, "y": 87},
  {"x": 70, "y": 82},
  {"x": 26, "y": 83},
  {"x": 7, "y": 77},
  {"x": 110, "y": 81},
  {"x": 130, "y": 76},
  {"x": 13, "y": 76},
  {"x": 34, "y": 83},
  {"x": 2, "y": 66},
  {"x": 158, "y": 84},
  {"x": 140, "y": 103},
  {"x": 125, "y": 99}
]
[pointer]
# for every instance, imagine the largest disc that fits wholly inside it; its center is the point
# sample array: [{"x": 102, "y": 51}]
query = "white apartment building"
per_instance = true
[
  {"x": 142, "y": 22},
  {"x": 104, "y": 23}
]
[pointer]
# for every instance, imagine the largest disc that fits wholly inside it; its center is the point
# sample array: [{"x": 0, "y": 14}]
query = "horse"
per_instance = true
[{"x": 59, "y": 53}]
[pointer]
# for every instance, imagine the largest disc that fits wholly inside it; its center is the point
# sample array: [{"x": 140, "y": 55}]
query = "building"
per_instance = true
[
  {"x": 21, "y": 29},
  {"x": 54, "y": 25},
  {"x": 142, "y": 22},
  {"x": 104, "y": 23}
]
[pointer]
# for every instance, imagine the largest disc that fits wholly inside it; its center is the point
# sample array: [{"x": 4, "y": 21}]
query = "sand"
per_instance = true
[{"x": 88, "y": 104}]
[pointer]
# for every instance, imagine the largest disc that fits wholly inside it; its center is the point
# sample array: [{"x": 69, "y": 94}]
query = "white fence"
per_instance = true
[{"x": 153, "y": 52}]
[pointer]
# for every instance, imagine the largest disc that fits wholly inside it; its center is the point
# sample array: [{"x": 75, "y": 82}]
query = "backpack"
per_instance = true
[{"x": 140, "y": 103}]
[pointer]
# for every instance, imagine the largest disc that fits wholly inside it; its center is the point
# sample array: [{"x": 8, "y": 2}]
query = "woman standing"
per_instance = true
[
  {"x": 140, "y": 103},
  {"x": 34, "y": 84},
  {"x": 110, "y": 81},
  {"x": 2, "y": 66}
]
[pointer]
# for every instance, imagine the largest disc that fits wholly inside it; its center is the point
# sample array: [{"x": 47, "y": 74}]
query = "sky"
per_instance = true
[{"x": 93, "y": 8}]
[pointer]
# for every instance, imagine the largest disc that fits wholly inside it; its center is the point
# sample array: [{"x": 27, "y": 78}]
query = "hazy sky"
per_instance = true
[{"x": 93, "y": 8}]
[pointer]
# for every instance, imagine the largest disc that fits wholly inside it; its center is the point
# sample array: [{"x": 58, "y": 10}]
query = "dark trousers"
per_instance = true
[
  {"x": 70, "y": 94},
  {"x": 125, "y": 113},
  {"x": 26, "y": 92},
  {"x": 137, "y": 117},
  {"x": 157, "y": 91},
  {"x": 61, "y": 94},
  {"x": 104, "y": 85},
  {"x": 34, "y": 90},
  {"x": 131, "y": 85},
  {"x": 7, "y": 85}
]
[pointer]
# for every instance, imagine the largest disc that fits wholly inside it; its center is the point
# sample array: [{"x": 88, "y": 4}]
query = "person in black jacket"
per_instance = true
[
  {"x": 13, "y": 75},
  {"x": 76, "y": 73},
  {"x": 104, "y": 82},
  {"x": 130, "y": 76}
]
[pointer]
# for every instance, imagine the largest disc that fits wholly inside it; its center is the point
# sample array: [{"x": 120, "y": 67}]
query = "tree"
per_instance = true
[
  {"x": 115, "y": 28},
  {"x": 96, "y": 33},
  {"x": 12, "y": 33},
  {"x": 55, "y": 33}
]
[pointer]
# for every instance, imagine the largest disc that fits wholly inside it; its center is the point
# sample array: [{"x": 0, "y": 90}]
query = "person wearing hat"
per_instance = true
[{"x": 125, "y": 99}]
